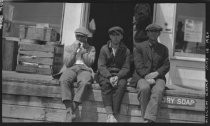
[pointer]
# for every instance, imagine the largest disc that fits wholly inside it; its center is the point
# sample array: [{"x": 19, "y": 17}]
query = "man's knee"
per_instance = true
[
  {"x": 85, "y": 78},
  {"x": 159, "y": 87},
  {"x": 67, "y": 78},
  {"x": 143, "y": 85}
]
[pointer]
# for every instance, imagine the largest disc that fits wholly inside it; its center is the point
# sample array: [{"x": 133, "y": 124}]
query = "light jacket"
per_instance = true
[{"x": 70, "y": 55}]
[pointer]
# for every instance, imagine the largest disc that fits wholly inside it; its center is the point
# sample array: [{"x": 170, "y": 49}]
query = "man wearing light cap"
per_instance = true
[
  {"x": 78, "y": 59},
  {"x": 113, "y": 68},
  {"x": 151, "y": 65}
]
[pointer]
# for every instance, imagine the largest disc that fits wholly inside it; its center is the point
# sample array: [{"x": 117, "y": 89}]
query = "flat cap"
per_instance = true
[
  {"x": 82, "y": 31},
  {"x": 153, "y": 27},
  {"x": 116, "y": 29}
]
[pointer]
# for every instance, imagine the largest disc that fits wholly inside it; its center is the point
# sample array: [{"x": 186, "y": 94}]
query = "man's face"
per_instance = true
[
  {"x": 81, "y": 38},
  {"x": 116, "y": 37},
  {"x": 153, "y": 35}
]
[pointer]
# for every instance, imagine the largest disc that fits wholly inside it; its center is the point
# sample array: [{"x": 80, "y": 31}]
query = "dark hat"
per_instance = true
[
  {"x": 153, "y": 27},
  {"x": 116, "y": 29},
  {"x": 82, "y": 31}
]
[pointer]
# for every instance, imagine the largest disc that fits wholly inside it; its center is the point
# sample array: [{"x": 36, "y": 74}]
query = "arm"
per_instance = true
[
  {"x": 89, "y": 57},
  {"x": 164, "y": 68},
  {"x": 126, "y": 66},
  {"x": 102, "y": 60},
  {"x": 70, "y": 54},
  {"x": 141, "y": 70}
]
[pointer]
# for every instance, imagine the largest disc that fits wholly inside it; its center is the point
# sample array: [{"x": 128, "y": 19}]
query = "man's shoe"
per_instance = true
[
  {"x": 70, "y": 116},
  {"x": 148, "y": 121},
  {"x": 111, "y": 118}
]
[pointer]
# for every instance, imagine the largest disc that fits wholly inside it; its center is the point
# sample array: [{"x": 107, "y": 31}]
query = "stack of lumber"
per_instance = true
[{"x": 38, "y": 32}]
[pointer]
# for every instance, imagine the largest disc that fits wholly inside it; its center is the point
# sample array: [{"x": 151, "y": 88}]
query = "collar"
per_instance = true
[
  {"x": 152, "y": 44},
  {"x": 110, "y": 44}
]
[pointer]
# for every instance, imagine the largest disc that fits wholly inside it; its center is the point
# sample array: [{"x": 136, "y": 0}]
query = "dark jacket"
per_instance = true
[
  {"x": 145, "y": 63},
  {"x": 110, "y": 65}
]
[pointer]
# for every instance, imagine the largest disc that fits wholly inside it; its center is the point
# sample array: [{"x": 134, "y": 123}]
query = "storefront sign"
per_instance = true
[
  {"x": 193, "y": 30},
  {"x": 179, "y": 101}
]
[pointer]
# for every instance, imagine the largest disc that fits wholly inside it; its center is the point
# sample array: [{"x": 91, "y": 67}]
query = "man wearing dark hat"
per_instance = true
[
  {"x": 151, "y": 65},
  {"x": 78, "y": 59},
  {"x": 113, "y": 68}
]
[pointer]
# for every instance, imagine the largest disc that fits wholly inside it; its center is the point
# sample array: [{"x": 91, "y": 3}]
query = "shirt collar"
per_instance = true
[
  {"x": 110, "y": 44},
  {"x": 153, "y": 44}
]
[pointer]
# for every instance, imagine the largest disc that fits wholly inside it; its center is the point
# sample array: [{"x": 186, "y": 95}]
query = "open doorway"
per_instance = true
[{"x": 108, "y": 15}]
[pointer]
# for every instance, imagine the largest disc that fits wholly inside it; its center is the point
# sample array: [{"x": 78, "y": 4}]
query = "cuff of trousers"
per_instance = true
[
  {"x": 78, "y": 100},
  {"x": 68, "y": 99}
]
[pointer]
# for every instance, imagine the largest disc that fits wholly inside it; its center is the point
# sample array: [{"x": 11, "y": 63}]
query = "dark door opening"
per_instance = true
[{"x": 108, "y": 15}]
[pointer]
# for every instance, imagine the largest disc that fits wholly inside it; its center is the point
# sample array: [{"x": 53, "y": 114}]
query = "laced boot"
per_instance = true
[
  {"x": 70, "y": 115},
  {"x": 111, "y": 118}
]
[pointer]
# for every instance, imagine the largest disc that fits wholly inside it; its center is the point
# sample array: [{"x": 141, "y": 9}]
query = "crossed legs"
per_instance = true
[{"x": 150, "y": 97}]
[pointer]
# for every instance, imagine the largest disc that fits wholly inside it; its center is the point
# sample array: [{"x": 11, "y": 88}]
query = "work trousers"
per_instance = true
[
  {"x": 79, "y": 74},
  {"x": 112, "y": 96},
  {"x": 150, "y": 97}
]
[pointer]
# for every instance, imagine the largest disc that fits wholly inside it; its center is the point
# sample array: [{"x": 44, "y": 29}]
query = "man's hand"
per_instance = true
[
  {"x": 81, "y": 50},
  {"x": 114, "y": 81},
  {"x": 150, "y": 81},
  {"x": 151, "y": 75},
  {"x": 111, "y": 80},
  {"x": 77, "y": 47}
]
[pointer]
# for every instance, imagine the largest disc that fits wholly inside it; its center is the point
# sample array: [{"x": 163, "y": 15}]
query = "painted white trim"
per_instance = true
[
  {"x": 71, "y": 21},
  {"x": 188, "y": 58},
  {"x": 62, "y": 20},
  {"x": 154, "y": 12},
  {"x": 82, "y": 14},
  {"x": 85, "y": 14},
  {"x": 34, "y": 23}
]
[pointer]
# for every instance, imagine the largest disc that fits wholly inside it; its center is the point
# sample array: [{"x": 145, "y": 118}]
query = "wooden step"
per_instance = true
[
  {"x": 30, "y": 92},
  {"x": 51, "y": 109}
]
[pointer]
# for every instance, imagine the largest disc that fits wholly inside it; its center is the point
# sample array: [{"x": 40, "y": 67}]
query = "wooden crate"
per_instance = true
[
  {"x": 9, "y": 54},
  {"x": 42, "y": 34},
  {"x": 40, "y": 59}
]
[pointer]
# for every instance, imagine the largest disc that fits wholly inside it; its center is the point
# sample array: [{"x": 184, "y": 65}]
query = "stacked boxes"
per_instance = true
[
  {"x": 42, "y": 34},
  {"x": 42, "y": 55},
  {"x": 40, "y": 59}
]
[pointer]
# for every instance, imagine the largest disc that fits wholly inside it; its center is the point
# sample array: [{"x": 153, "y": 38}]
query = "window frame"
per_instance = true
[{"x": 197, "y": 57}]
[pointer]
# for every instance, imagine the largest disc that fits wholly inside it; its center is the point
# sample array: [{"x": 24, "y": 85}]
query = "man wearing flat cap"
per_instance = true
[
  {"x": 78, "y": 59},
  {"x": 151, "y": 62},
  {"x": 113, "y": 68}
]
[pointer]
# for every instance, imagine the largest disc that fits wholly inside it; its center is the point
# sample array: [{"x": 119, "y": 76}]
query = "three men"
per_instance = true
[
  {"x": 151, "y": 65},
  {"x": 113, "y": 68},
  {"x": 78, "y": 59}
]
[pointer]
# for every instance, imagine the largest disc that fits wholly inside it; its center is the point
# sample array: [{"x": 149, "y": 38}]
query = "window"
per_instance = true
[{"x": 190, "y": 30}]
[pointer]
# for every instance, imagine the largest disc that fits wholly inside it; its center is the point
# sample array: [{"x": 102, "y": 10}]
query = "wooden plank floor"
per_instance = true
[{"x": 39, "y": 95}]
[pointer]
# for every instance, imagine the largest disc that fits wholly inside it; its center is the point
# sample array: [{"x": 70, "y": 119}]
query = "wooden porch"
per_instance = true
[{"x": 36, "y": 98}]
